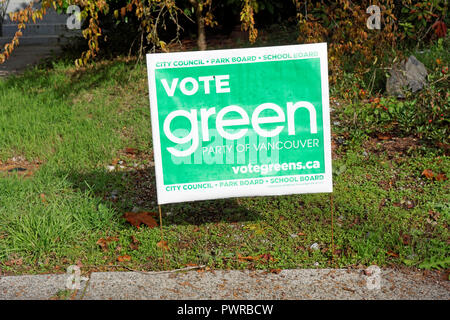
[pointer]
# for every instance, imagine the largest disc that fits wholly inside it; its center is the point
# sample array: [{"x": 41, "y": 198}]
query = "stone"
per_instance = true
[{"x": 410, "y": 74}]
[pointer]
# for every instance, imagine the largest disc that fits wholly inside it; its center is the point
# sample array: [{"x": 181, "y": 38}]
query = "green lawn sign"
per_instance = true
[{"x": 241, "y": 122}]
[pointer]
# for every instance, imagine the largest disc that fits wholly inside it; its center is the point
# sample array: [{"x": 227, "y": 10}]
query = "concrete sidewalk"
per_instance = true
[
  {"x": 193, "y": 285},
  {"x": 27, "y": 55}
]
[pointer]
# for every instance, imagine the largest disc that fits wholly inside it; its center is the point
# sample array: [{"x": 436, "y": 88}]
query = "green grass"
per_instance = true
[{"x": 75, "y": 123}]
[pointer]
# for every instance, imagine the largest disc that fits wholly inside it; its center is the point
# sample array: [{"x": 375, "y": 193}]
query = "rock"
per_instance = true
[
  {"x": 114, "y": 195},
  {"x": 410, "y": 74},
  {"x": 416, "y": 73},
  {"x": 314, "y": 246}
]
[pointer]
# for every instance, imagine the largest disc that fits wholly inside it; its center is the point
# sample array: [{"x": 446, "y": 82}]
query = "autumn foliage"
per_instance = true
[{"x": 341, "y": 23}]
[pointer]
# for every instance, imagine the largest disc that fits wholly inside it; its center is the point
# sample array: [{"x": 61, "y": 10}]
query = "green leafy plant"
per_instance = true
[{"x": 435, "y": 263}]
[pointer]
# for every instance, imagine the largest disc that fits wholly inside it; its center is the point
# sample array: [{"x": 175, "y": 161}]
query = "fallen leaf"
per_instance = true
[
  {"x": 163, "y": 245},
  {"x": 103, "y": 243},
  {"x": 276, "y": 271},
  {"x": 43, "y": 199},
  {"x": 434, "y": 215},
  {"x": 134, "y": 245},
  {"x": 124, "y": 258},
  {"x": 392, "y": 254},
  {"x": 248, "y": 258},
  {"x": 409, "y": 204},
  {"x": 17, "y": 262},
  {"x": 136, "y": 218},
  {"x": 301, "y": 234},
  {"x": 441, "y": 177},
  {"x": 191, "y": 265},
  {"x": 443, "y": 145},
  {"x": 406, "y": 239},
  {"x": 428, "y": 174},
  {"x": 383, "y": 137},
  {"x": 267, "y": 257},
  {"x": 131, "y": 151}
]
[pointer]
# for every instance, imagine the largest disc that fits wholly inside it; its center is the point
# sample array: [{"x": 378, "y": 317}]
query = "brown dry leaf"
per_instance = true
[
  {"x": 428, "y": 174},
  {"x": 44, "y": 200},
  {"x": 163, "y": 245},
  {"x": 17, "y": 262},
  {"x": 392, "y": 254},
  {"x": 267, "y": 257},
  {"x": 103, "y": 243},
  {"x": 434, "y": 215},
  {"x": 441, "y": 177},
  {"x": 191, "y": 265},
  {"x": 124, "y": 258},
  {"x": 132, "y": 151},
  {"x": 248, "y": 258},
  {"x": 301, "y": 234},
  {"x": 443, "y": 145},
  {"x": 406, "y": 239},
  {"x": 134, "y": 245},
  {"x": 136, "y": 218},
  {"x": 276, "y": 271},
  {"x": 383, "y": 137}
]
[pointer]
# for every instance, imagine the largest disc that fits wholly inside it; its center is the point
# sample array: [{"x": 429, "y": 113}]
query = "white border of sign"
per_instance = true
[{"x": 164, "y": 196}]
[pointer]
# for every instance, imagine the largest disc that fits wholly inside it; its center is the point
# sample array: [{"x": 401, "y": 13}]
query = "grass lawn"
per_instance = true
[{"x": 60, "y": 129}]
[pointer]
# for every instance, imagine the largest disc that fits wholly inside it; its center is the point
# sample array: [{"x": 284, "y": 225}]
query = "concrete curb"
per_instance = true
[{"x": 309, "y": 284}]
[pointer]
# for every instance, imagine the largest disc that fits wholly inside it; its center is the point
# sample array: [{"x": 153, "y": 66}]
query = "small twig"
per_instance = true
[
  {"x": 443, "y": 78},
  {"x": 149, "y": 272},
  {"x": 162, "y": 272},
  {"x": 332, "y": 222},
  {"x": 162, "y": 236}
]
